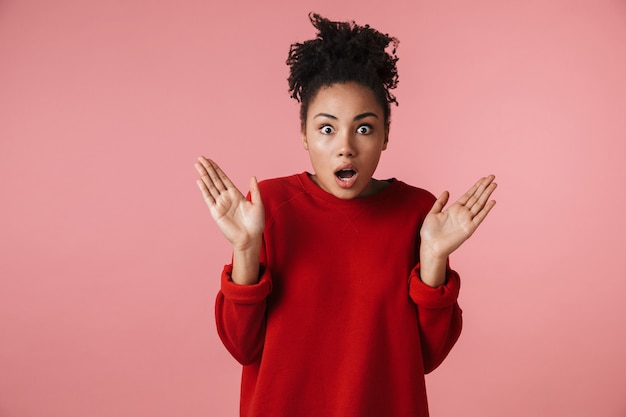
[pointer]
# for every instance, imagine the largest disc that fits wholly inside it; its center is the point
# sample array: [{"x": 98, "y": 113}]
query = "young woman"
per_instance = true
[{"x": 339, "y": 297}]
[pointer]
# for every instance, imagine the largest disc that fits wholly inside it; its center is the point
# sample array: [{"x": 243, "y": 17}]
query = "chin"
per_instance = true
[{"x": 348, "y": 194}]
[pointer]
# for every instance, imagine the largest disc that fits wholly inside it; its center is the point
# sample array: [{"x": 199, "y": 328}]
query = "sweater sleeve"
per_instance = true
[
  {"x": 439, "y": 316},
  {"x": 240, "y": 315}
]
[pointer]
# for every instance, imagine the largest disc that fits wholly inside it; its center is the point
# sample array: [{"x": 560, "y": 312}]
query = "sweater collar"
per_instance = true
[{"x": 312, "y": 188}]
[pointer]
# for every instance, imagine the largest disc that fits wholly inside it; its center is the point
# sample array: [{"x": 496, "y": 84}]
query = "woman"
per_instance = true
[{"x": 339, "y": 297}]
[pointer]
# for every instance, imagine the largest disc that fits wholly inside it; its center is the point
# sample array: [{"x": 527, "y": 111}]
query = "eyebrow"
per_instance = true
[{"x": 357, "y": 117}]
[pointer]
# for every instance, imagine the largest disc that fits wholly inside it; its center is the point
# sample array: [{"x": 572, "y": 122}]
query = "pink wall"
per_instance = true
[{"x": 109, "y": 261}]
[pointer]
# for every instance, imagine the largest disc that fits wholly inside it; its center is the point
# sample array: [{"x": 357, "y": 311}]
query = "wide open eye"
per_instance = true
[
  {"x": 364, "y": 129},
  {"x": 327, "y": 129}
]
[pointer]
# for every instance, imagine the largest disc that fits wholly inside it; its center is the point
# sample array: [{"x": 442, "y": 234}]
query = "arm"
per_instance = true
[
  {"x": 240, "y": 316},
  {"x": 241, "y": 303},
  {"x": 439, "y": 316},
  {"x": 443, "y": 231},
  {"x": 241, "y": 221},
  {"x": 433, "y": 286}
]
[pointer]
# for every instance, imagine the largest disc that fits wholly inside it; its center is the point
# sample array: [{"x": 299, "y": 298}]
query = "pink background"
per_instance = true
[{"x": 109, "y": 262}]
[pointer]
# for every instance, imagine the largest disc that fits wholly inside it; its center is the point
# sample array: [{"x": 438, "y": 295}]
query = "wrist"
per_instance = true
[
  {"x": 246, "y": 263},
  {"x": 432, "y": 267},
  {"x": 250, "y": 245},
  {"x": 431, "y": 253}
]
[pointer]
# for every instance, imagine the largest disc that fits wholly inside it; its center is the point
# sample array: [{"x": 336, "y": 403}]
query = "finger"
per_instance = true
[
  {"x": 208, "y": 198},
  {"x": 478, "y": 219},
  {"x": 216, "y": 181},
  {"x": 482, "y": 200},
  {"x": 465, "y": 197},
  {"x": 201, "y": 171},
  {"x": 439, "y": 204},
  {"x": 200, "y": 168},
  {"x": 482, "y": 185},
  {"x": 223, "y": 177},
  {"x": 207, "y": 181},
  {"x": 255, "y": 192}
]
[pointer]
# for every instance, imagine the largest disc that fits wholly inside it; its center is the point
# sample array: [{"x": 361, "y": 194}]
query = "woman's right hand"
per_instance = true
[{"x": 241, "y": 221}]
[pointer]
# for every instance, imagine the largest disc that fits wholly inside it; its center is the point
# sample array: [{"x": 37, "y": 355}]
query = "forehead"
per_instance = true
[{"x": 346, "y": 99}]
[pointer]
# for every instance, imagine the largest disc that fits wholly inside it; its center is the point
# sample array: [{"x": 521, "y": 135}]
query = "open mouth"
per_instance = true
[{"x": 345, "y": 174}]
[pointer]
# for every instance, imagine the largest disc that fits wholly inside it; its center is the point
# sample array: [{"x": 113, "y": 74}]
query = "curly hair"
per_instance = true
[{"x": 343, "y": 52}]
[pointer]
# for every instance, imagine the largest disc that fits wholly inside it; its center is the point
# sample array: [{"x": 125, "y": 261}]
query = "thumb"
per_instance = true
[
  {"x": 440, "y": 203},
  {"x": 255, "y": 192}
]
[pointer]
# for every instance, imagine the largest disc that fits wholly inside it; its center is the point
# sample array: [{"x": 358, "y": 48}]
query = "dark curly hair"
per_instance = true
[{"x": 343, "y": 52}]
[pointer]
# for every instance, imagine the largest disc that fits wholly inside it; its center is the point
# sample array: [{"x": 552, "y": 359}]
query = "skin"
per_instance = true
[{"x": 344, "y": 127}]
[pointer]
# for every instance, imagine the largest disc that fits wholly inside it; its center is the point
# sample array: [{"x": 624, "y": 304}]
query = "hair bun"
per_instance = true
[{"x": 342, "y": 51}]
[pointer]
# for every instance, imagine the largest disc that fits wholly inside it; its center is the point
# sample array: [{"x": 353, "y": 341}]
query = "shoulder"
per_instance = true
[
  {"x": 411, "y": 194},
  {"x": 277, "y": 191},
  {"x": 282, "y": 195},
  {"x": 406, "y": 201},
  {"x": 275, "y": 188}
]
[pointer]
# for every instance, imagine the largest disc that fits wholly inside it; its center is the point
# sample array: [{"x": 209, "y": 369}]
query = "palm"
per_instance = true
[
  {"x": 443, "y": 231},
  {"x": 241, "y": 221}
]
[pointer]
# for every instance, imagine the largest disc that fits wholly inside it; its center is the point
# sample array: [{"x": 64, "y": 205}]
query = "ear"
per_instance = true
[
  {"x": 305, "y": 141},
  {"x": 386, "y": 142}
]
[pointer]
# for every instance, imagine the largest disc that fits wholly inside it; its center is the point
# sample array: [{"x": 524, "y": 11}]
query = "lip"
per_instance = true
[
  {"x": 346, "y": 184},
  {"x": 345, "y": 166}
]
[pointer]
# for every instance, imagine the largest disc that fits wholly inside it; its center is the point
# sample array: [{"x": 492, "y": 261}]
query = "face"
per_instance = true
[{"x": 345, "y": 133}]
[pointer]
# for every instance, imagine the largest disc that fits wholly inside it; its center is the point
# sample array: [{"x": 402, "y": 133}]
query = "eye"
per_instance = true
[
  {"x": 327, "y": 129},
  {"x": 364, "y": 129}
]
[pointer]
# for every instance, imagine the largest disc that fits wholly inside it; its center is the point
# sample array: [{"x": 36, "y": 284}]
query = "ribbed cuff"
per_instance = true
[
  {"x": 246, "y": 294},
  {"x": 442, "y": 296}
]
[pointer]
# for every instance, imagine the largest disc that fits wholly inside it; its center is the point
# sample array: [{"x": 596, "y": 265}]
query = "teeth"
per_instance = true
[{"x": 345, "y": 174}]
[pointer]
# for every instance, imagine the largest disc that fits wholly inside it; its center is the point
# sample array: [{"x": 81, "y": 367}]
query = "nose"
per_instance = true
[{"x": 346, "y": 145}]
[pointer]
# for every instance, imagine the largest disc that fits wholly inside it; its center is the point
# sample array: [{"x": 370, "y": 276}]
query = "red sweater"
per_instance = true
[{"x": 339, "y": 324}]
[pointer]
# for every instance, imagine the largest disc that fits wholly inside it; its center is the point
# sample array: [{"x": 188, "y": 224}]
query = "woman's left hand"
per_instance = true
[{"x": 444, "y": 230}]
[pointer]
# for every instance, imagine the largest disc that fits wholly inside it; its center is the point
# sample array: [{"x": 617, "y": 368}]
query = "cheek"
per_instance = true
[
  {"x": 316, "y": 153},
  {"x": 317, "y": 145},
  {"x": 318, "y": 156}
]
